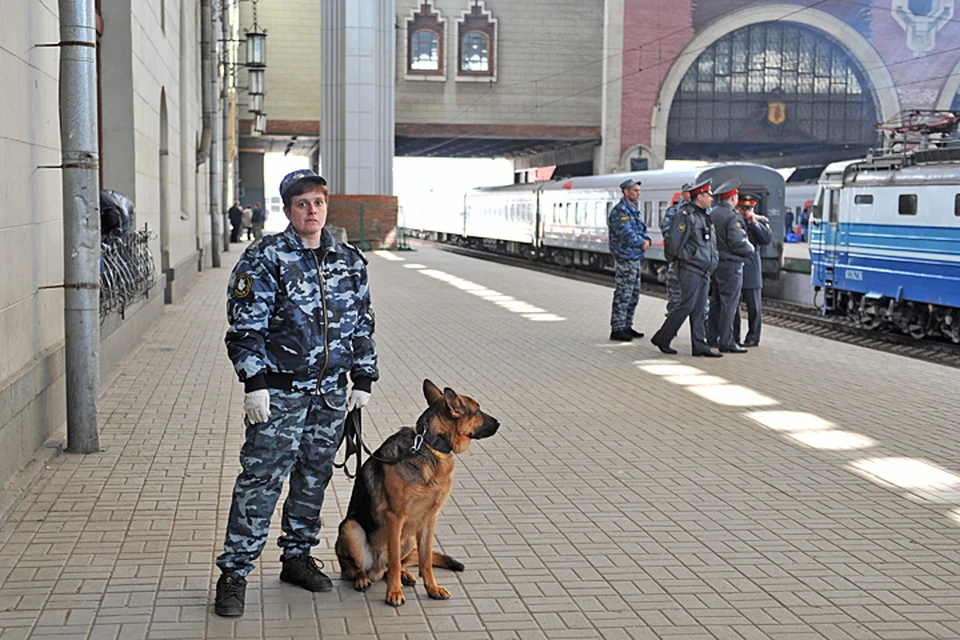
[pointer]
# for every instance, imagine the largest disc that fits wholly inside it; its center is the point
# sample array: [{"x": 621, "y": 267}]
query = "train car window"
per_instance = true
[
  {"x": 863, "y": 199},
  {"x": 571, "y": 213},
  {"x": 600, "y": 214},
  {"x": 648, "y": 212},
  {"x": 662, "y": 211},
  {"x": 907, "y": 205},
  {"x": 956, "y": 205},
  {"x": 817, "y": 209},
  {"x": 834, "y": 205}
]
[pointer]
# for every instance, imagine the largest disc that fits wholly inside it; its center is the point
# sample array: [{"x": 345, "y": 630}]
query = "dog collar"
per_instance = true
[{"x": 440, "y": 447}]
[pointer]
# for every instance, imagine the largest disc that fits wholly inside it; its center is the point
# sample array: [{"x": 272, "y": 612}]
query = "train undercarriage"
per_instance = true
[{"x": 917, "y": 319}]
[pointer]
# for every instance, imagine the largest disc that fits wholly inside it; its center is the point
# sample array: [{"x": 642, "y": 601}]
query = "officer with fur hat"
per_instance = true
[
  {"x": 300, "y": 327},
  {"x": 759, "y": 233},
  {"x": 628, "y": 240},
  {"x": 734, "y": 248},
  {"x": 690, "y": 243}
]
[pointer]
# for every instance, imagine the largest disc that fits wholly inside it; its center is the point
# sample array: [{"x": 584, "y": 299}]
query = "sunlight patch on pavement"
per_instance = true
[
  {"x": 524, "y": 309},
  {"x": 388, "y": 255},
  {"x": 905, "y": 473},
  {"x": 670, "y": 369},
  {"x": 689, "y": 381},
  {"x": 732, "y": 395},
  {"x": 832, "y": 439},
  {"x": 414, "y": 265},
  {"x": 790, "y": 420}
]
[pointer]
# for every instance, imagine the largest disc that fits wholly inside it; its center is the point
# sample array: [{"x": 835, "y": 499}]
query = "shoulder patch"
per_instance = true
[
  {"x": 242, "y": 285},
  {"x": 682, "y": 226},
  {"x": 739, "y": 224},
  {"x": 623, "y": 218},
  {"x": 356, "y": 250}
]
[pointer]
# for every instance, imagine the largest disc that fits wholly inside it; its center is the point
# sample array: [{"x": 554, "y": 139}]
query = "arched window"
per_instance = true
[
  {"x": 425, "y": 31},
  {"x": 773, "y": 89},
  {"x": 477, "y": 45},
  {"x": 475, "y": 50},
  {"x": 424, "y": 51}
]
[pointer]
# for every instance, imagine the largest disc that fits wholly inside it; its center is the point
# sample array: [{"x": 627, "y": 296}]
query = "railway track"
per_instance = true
[{"x": 777, "y": 313}]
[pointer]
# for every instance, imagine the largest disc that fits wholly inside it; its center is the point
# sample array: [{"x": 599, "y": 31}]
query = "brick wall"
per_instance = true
[{"x": 369, "y": 220}]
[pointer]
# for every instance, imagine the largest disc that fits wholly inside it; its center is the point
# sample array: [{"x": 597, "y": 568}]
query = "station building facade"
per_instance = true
[{"x": 150, "y": 126}]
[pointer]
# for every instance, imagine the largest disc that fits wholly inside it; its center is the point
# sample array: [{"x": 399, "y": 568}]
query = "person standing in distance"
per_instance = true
[
  {"x": 301, "y": 324},
  {"x": 690, "y": 243},
  {"x": 257, "y": 220},
  {"x": 759, "y": 233},
  {"x": 628, "y": 240},
  {"x": 673, "y": 282},
  {"x": 734, "y": 249},
  {"x": 235, "y": 215}
]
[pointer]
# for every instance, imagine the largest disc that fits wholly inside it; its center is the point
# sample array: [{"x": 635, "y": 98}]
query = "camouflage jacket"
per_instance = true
[
  {"x": 627, "y": 231},
  {"x": 301, "y": 319}
]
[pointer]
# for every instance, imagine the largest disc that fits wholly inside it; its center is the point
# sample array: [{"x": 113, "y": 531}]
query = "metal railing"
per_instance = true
[{"x": 127, "y": 270}]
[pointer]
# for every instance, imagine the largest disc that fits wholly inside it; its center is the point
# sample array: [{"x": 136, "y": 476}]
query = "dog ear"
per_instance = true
[
  {"x": 431, "y": 392},
  {"x": 454, "y": 403}
]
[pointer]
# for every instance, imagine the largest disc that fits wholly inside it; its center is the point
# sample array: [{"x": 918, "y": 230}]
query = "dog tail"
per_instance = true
[{"x": 443, "y": 561}]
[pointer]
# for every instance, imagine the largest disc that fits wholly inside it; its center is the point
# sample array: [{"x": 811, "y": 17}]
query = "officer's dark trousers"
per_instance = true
[
  {"x": 751, "y": 297},
  {"x": 724, "y": 303},
  {"x": 694, "y": 285},
  {"x": 300, "y": 439}
]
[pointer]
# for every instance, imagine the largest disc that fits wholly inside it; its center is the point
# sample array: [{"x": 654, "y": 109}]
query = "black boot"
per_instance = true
[
  {"x": 622, "y": 336},
  {"x": 635, "y": 334},
  {"x": 231, "y": 594},
  {"x": 304, "y": 572}
]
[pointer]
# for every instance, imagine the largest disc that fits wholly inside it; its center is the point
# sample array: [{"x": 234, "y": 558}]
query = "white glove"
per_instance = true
[
  {"x": 256, "y": 405},
  {"x": 358, "y": 400}
]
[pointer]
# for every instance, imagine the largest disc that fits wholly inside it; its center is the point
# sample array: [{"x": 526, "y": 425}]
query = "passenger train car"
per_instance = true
[
  {"x": 885, "y": 242},
  {"x": 565, "y": 221}
]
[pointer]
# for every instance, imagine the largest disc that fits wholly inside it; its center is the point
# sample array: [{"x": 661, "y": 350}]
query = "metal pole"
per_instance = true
[
  {"x": 227, "y": 197},
  {"x": 208, "y": 50},
  {"x": 81, "y": 221}
]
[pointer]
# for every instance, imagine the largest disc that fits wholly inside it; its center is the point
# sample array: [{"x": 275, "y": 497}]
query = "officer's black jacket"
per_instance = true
[
  {"x": 759, "y": 233},
  {"x": 690, "y": 239},
  {"x": 732, "y": 242}
]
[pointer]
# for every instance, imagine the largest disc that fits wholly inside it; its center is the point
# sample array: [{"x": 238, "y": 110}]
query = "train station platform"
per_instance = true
[{"x": 807, "y": 489}]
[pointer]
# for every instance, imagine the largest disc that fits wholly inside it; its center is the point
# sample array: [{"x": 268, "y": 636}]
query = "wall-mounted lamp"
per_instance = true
[
  {"x": 256, "y": 103},
  {"x": 256, "y": 47},
  {"x": 256, "y": 81},
  {"x": 260, "y": 123}
]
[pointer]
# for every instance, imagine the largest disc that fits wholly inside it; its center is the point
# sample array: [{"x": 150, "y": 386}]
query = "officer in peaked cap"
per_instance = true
[
  {"x": 691, "y": 245},
  {"x": 734, "y": 248},
  {"x": 628, "y": 240},
  {"x": 673, "y": 282},
  {"x": 759, "y": 233}
]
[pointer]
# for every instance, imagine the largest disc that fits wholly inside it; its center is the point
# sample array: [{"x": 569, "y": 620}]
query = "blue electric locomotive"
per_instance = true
[{"x": 885, "y": 241}]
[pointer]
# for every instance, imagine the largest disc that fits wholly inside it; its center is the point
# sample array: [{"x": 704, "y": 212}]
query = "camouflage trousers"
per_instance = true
[
  {"x": 300, "y": 440},
  {"x": 626, "y": 295}
]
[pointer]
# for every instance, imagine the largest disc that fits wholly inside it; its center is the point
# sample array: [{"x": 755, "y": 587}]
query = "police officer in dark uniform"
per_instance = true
[
  {"x": 759, "y": 233},
  {"x": 734, "y": 249},
  {"x": 691, "y": 245}
]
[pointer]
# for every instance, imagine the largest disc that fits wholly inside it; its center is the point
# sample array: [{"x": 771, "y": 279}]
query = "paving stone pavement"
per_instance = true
[{"x": 807, "y": 489}]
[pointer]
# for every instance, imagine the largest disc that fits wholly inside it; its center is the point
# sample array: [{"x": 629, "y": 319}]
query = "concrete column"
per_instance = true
[
  {"x": 357, "y": 100},
  {"x": 607, "y": 159}
]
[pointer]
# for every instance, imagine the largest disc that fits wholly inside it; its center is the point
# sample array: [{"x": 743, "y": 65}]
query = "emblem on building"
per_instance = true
[
  {"x": 776, "y": 112},
  {"x": 922, "y": 29}
]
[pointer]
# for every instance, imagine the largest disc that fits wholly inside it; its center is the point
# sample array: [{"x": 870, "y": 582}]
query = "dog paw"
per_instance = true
[
  {"x": 438, "y": 593},
  {"x": 407, "y": 579},
  {"x": 361, "y": 584},
  {"x": 456, "y": 565},
  {"x": 395, "y": 598}
]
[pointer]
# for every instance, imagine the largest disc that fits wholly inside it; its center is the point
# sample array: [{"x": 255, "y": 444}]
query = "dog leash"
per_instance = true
[{"x": 353, "y": 436}]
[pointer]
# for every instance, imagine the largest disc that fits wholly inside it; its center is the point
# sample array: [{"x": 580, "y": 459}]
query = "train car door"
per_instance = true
[{"x": 825, "y": 235}]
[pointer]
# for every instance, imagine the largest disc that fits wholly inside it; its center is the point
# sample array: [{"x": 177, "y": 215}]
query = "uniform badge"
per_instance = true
[
  {"x": 242, "y": 285},
  {"x": 739, "y": 226},
  {"x": 623, "y": 218},
  {"x": 682, "y": 226}
]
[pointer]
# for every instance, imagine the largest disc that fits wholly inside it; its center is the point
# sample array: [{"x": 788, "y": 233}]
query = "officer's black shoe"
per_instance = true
[
  {"x": 750, "y": 343},
  {"x": 231, "y": 594},
  {"x": 664, "y": 348},
  {"x": 304, "y": 572},
  {"x": 735, "y": 349},
  {"x": 622, "y": 336},
  {"x": 635, "y": 334},
  {"x": 707, "y": 354}
]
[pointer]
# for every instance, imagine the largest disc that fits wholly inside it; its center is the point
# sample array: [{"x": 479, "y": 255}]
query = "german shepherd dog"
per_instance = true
[{"x": 399, "y": 492}]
